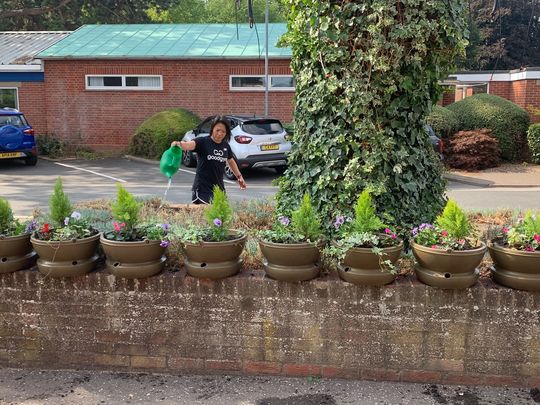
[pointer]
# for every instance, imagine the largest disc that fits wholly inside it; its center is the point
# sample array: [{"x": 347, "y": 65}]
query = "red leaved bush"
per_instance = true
[{"x": 472, "y": 150}]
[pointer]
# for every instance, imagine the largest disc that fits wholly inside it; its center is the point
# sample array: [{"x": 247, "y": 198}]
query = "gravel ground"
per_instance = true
[{"x": 90, "y": 387}]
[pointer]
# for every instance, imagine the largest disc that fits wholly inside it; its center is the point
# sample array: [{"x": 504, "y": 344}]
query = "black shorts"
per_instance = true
[{"x": 200, "y": 198}]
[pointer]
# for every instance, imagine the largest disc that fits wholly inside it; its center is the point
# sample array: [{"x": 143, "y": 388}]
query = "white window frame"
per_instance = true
[
  {"x": 462, "y": 87},
  {"x": 123, "y": 87},
  {"x": 16, "y": 94},
  {"x": 270, "y": 88}
]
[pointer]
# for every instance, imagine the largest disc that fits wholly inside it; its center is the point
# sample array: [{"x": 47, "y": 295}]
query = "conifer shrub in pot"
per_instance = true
[
  {"x": 367, "y": 250},
  {"x": 133, "y": 249},
  {"x": 67, "y": 246},
  {"x": 447, "y": 255},
  {"x": 16, "y": 251},
  {"x": 291, "y": 249},
  {"x": 516, "y": 254},
  {"x": 213, "y": 251}
]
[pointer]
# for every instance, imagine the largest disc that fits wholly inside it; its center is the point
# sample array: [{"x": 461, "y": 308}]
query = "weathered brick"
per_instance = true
[
  {"x": 302, "y": 370},
  {"x": 419, "y": 376},
  {"x": 148, "y": 362},
  {"x": 374, "y": 374},
  {"x": 252, "y": 367}
]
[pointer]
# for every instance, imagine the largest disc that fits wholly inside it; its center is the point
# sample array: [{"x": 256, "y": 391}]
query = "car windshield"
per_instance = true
[
  {"x": 15, "y": 120},
  {"x": 262, "y": 127}
]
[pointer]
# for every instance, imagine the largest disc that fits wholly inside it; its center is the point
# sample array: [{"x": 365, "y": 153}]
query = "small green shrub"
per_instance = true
[
  {"x": 443, "y": 121},
  {"x": 156, "y": 133},
  {"x": 51, "y": 146},
  {"x": 533, "y": 138},
  {"x": 508, "y": 122},
  {"x": 305, "y": 221},
  {"x": 219, "y": 215},
  {"x": 59, "y": 204},
  {"x": 6, "y": 216},
  {"x": 454, "y": 221},
  {"x": 126, "y": 208},
  {"x": 365, "y": 218}
]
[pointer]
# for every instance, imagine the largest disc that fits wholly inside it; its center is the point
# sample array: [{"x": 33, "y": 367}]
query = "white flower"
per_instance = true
[{"x": 77, "y": 215}]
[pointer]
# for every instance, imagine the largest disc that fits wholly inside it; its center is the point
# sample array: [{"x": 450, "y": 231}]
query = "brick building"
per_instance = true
[
  {"x": 22, "y": 75},
  {"x": 103, "y": 81},
  {"x": 521, "y": 86}
]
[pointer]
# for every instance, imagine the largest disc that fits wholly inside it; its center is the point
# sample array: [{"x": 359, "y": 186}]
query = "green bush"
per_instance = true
[
  {"x": 533, "y": 137},
  {"x": 507, "y": 121},
  {"x": 51, "y": 146},
  {"x": 156, "y": 133},
  {"x": 444, "y": 121}
]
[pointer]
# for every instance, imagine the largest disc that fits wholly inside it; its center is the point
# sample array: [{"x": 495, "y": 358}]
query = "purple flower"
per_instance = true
[
  {"x": 76, "y": 215},
  {"x": 165, "y": 227},
  {"x": 66, "y": 221},
  {"x": 414, "y": 231},
  {"x": 285, "y": 221},
  {"x": 164, "y": 243},
  {"x": 217, "y": 222},
  {"x": 32, "y": 226},
  {"x": 340, "y": 220}
]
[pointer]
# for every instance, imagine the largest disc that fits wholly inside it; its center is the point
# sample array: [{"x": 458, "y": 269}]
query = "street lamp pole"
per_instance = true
[{"x": 266, "y": 84}]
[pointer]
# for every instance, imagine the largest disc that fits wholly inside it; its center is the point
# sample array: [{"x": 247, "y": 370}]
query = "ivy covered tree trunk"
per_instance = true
[{"x": 366, "y": 77}]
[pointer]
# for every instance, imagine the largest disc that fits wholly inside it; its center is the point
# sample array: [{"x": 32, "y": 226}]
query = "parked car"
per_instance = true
[
  {"x": 16, "y": 137},
  {"x": 436, "y": 142},
  {"x": 255, "y": 142}
]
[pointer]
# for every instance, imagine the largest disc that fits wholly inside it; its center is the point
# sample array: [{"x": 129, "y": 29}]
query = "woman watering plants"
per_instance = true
[{"x": 213, "y": 153}]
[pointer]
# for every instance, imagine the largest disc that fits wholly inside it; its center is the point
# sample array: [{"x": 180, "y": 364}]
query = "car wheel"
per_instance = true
[
  {"x": 280, "y": 169},
  {"x": 229, "y": 173},
  {"x": 188, "y": 159},
  {"x": 30, "y": 160}
]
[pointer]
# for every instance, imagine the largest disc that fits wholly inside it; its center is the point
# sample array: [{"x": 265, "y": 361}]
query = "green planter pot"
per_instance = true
[
  {"x": 362, "y": 267},
  {"x": 515, "y": 268},
  {"x": 214, "y": 260},
  {"x": 66, "y": 258},
  {"x": 139, "y": 259},
  {"x": 452, "y": 269},
  {"x": 290, "y": 261},
  {"x": 16, "y": 253}
]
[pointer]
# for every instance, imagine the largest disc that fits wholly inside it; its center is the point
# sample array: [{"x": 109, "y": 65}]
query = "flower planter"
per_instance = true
[
  {"x": 363, "y": 267},
  {"x": 16, "y": 253},
  {"x": 515, "y": 268},
  {"x": 133, "y": 259},
  {"x": 452, "y": 269},
  {"x": 290, "y": 261},
  {"x": 214, "y": 260},
  {"x": 66, "y": 258}
]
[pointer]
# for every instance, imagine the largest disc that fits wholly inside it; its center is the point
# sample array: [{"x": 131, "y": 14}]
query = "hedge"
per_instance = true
[
  {"x": 444, "y": 121},
  {"x": 507, "y": 121},
  {"x": 156, "y": 133},
  {"x": 533, "y": 137}
]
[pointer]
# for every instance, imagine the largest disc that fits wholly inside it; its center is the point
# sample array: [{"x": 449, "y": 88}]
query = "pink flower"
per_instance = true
[
  {"x": 529, "y": 249},
  {"x": 116, "y": 226},
  {"x": 123, "y": 225},
  {"x": 461, "y": 241},
  {"x": 505, "y": 230},
  {"x": 537, "y": 238},
  {"x": 444, "y": 233},
  {"x": 387, "y": 231},
  {"x": 434, "y": 246},
  {"x": 394, "y": 236}
]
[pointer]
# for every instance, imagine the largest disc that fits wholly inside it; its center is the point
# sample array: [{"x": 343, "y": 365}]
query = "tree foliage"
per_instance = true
[
  {"x": 505, "y": 34},
  {"x": 365, "y": 77}
]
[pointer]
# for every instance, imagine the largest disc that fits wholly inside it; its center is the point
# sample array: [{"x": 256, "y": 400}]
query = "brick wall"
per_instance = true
[
  {"x": 32, "y": 103},
  {"x": 250, "y": 324},
  {"x": 108, "y": 119}
]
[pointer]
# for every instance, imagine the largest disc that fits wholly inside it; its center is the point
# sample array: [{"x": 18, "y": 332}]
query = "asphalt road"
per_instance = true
[
  {"x": 26, "y": 387},
  {"x": 29, "y": 187}
]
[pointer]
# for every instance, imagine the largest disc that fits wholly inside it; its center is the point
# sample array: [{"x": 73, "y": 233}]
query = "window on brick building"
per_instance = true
[
  {"x": 9, "y": 97},
  {"x": 467, "y": 90},
  {"x": 123, "y": 82},
  {"x": 256, "y": 83}
]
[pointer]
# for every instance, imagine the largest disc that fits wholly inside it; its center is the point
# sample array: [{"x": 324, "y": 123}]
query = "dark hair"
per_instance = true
[{"x": 219, "y": 119}]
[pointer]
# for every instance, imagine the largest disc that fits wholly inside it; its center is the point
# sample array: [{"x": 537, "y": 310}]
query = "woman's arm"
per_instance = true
[
  {"x": 236, "y": 171},
  {"x": 185, "y": 145}
]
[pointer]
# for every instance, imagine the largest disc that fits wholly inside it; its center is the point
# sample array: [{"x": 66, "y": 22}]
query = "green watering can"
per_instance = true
[{"x": 170, "y": 161}]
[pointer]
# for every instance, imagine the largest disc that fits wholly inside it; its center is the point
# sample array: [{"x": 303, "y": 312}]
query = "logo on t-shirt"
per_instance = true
[{"x": 218, "y": 155}]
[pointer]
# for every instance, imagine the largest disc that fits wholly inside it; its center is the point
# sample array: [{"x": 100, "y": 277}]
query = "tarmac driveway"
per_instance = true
[{"x": 30, "y": 187}]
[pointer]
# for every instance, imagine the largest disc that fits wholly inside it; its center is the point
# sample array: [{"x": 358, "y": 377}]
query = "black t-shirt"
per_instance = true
[{"x": 212, "y": 158}]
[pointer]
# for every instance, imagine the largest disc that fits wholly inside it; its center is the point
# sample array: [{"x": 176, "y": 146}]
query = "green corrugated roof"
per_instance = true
[{"x": 172, "y": 41}]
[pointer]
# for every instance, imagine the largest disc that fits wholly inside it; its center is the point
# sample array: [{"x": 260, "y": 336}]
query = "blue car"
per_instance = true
[{"x": 16, "y": 137}]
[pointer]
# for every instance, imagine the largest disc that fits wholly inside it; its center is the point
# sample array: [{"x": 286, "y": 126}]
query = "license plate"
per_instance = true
[
  {"x": 9, "y": 155},
  {"x": 274, "y": 146}
]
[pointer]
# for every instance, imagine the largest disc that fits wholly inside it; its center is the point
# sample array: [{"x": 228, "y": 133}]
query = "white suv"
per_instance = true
[{"x": 255, "y": 142}]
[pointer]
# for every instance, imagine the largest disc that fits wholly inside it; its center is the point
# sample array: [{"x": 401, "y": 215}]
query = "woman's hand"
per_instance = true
[
  {"x": 176, "y": 143},
  {"x": 241, "y": 182}
]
